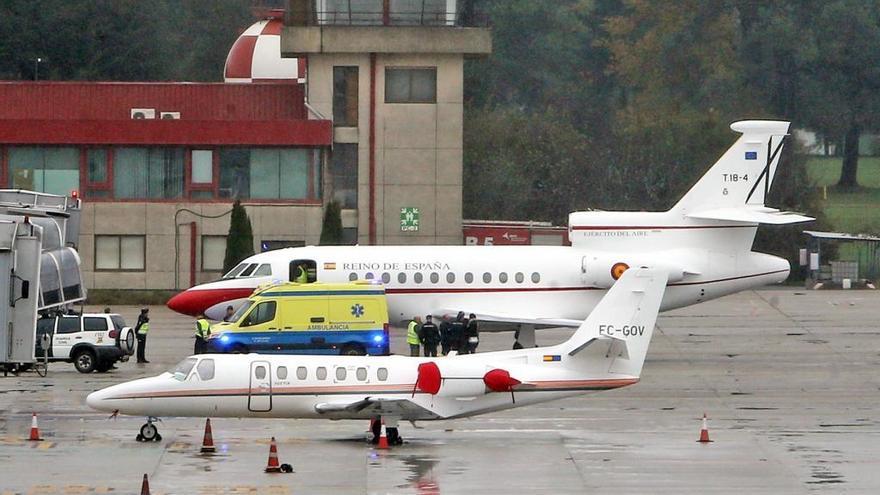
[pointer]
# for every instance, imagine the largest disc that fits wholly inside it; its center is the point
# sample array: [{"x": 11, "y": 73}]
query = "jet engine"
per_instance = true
[
  {"x": 462, "y": 380},
  {"x": 602, "y": 270}
]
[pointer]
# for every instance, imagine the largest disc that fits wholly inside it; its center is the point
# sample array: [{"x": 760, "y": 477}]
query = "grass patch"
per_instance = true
[{"x": 825, "y": 170}]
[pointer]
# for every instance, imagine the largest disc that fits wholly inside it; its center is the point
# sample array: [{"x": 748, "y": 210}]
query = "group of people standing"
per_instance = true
[{"x": 460, "y": 335}]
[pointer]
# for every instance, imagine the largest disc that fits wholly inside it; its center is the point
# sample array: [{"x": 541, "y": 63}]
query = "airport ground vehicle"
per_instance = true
[
  {"x": 292, "y": 318},
  {"x": 90, "y": 341}
]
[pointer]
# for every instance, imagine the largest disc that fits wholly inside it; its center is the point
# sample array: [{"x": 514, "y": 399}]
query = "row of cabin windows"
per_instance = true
[
  {"x": 434, "y": 277},
  {"x": 302, "y": 373}
]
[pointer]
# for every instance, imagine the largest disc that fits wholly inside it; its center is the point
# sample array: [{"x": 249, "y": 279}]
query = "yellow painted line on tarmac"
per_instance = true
[
  {"x": 45, "y": 445},
  {"x": 76, "y": 489},
  {"x": 42, "y": 490}
]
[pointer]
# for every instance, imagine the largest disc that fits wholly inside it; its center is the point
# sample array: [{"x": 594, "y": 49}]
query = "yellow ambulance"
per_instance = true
[{"x": 316, "y": 318}]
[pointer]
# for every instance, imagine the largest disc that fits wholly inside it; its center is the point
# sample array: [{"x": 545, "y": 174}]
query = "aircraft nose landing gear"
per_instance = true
[{"x": 149, "y": 432}]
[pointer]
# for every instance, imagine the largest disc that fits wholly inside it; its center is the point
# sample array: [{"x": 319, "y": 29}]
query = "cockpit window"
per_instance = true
[
  {"x": 242, "y": 310},
  {"x": 206, "y": 369},
  {"x": 263, "y": 271},
  {"x": 235, "y": 271},
  {"x": 181, "y": 371},
  {"x": 247, "y": 271}
]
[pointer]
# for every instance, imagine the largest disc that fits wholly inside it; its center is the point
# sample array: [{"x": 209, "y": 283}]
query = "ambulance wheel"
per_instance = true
[
  {"x": 149, "y": 433},
  {"x": 352, "y": 350}
]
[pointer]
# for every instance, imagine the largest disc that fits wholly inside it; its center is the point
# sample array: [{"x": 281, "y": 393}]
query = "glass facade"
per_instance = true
[
  {"x": 167, "y": 173},
  {"x": 148, "y": 173},
  {"x": 44, "y": 169}
]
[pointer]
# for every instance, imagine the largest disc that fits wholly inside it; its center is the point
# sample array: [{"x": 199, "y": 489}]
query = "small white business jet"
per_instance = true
[
  {"x": 607, "y": 351},
  {"x": 703, "y": 244}
]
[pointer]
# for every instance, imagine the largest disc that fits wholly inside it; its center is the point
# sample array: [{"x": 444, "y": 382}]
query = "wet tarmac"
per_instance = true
[{"x": 789, "y": 379}]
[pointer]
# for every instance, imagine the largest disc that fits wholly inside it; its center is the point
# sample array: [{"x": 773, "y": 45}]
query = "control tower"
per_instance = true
[{"x": 389, "y": 73}]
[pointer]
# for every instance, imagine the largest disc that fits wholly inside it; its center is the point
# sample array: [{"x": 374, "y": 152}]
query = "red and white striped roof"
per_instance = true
[{"x": 256, "y": 57}]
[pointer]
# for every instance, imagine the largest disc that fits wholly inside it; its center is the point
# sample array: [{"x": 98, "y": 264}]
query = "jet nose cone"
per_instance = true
[
  {"x": 95, "y": 400},
  {"x": 187, "y": 302}
]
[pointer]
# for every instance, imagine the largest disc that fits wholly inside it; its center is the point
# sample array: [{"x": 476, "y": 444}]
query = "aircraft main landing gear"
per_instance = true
[
  {"x": 149, "y": 432},
  {"x": 391, "y": 431}
]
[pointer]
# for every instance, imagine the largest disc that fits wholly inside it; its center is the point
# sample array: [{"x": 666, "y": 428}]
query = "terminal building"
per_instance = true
[{"x": 356, "y": 101}]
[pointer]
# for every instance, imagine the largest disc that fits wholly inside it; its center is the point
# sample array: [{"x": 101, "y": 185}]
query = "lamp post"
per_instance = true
[{"x": 37, "y": 67}]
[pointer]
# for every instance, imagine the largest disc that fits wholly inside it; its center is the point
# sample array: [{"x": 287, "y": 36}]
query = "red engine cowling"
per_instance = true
[
  {"x": 498, "y": 380},
  {"x": 429, "y": 378}
]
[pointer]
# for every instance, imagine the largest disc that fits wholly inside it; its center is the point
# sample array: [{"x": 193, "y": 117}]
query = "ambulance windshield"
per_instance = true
[{"x": 245, "y": 306}]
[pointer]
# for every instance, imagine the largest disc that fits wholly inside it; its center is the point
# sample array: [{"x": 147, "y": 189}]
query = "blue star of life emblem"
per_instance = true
[{"x": 357, "y": 310}]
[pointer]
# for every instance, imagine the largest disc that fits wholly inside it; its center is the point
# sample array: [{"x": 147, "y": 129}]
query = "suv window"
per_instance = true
[
  {"x": 118, "y": 321},
  {"x": 264, "y": 312},
  {"x": 68, "y": 324},
  {"x": 45, "y": 325},
  {"x": 94, "y": 324}
]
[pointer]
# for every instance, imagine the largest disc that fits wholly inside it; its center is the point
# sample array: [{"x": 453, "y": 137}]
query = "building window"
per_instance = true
[
  {"x": 411, "y": 85},
  {"x": 202, "y": 167},
  {"x": 344, "y": 175},
  {"x": 213, "y": 252},
  {"x": 97, "y": 173},
  {"x": 119, "y": 252},
  {"x": 270, "y": 173},
  {"x": 148, "y": 173},
  {"x": 48, "y": 170},
  {"x": 345, "y": 96},
  {"x": 349, "y": 236}
]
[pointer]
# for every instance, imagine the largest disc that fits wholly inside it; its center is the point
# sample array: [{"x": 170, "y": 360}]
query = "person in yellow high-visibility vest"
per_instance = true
[
  {"x": 412, "y": 336},
  {"x": 302, "y": 274},
  {"x": 140, "y": 331},
  {"x": 203, "y": 331}
]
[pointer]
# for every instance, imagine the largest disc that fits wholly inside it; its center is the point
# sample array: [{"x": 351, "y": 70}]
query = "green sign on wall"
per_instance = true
[{"x": 409, "y": 219}]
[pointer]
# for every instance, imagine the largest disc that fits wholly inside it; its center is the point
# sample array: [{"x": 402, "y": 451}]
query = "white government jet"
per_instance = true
[
  {"x": 607, "y": 351},
  {"x": 703, "y": 243}
]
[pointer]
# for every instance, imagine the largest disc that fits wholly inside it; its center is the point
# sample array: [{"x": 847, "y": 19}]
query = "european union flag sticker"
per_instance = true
[
  {"x": 751, "y": 155},
  {"x": 552, "y": 357}
]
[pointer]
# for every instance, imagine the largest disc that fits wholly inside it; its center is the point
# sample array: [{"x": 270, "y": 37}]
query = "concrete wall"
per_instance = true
[
  {"x": 156, "y": 221},
  {"x": 418, "y": 146}
]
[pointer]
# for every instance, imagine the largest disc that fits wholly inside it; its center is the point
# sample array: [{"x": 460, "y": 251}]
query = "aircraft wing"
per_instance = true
[
  {"x": 404, "y": 408},
  {"x": 751, "y": 215},
  {"x": 502, "y": 322}
]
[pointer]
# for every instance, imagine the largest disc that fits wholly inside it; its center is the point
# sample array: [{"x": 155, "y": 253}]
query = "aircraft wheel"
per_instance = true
[
  {"x": 139, "y": 437},
  {"x": 150, "y": 433}
]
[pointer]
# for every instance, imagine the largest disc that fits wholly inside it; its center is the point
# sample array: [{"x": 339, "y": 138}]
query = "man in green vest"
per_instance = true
[
  {"x": 302, "y": 274},
  {"x": 412, "y": 336},
  {"x": 140, "y": 331},
  {"x": 203, "y": 331}
]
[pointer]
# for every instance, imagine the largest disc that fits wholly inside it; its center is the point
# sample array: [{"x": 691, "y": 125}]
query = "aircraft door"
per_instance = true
[
  {"x": 297, "y": 267},
  {"x": 260, "y": 393}
]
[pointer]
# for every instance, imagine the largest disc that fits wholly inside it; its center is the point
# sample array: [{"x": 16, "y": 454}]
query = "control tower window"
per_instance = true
[
  {"x": 345, "y": 96},
  {"x": 411, "y": 85}
]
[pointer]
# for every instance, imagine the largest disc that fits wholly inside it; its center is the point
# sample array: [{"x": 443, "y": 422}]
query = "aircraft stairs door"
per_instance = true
[{"x": 260, "y": 392}]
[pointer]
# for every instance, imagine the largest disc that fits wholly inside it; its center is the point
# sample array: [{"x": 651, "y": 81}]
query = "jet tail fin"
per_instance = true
[
  {"x": 626, "y": 316},
  {"x": 744, "y": 173}
]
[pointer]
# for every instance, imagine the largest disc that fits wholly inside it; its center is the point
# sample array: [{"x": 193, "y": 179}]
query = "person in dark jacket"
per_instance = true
[
  {"x": 430, "y": 337},
  {"x": 140, "y": 330},
  {"x": 444, "y": 335},
  {"x": 472, "y": 334},
  {"x": 456, "y": 333}
]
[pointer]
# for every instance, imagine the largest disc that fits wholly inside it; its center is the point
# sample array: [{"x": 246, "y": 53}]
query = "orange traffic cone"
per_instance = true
[
  {"x": 272, "y": 466},
  {"x": 704, "y": 431},
  {"x": 145, "y": 486},
  {"x": 208, "y": 440},
  {"x": 383, "y": 438},
  {"x": 35, "y": 430}
]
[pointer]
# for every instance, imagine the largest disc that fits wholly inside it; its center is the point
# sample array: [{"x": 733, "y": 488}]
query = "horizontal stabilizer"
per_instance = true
[{"x": 751, "y": 215}]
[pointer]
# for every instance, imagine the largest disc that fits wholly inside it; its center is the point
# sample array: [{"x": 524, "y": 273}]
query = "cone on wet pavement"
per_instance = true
[
  {"x": 704, "y": 431},
  {"x": 208, "y": 440},
  {"x": 383, "y": 437},
  {"x": 35, "y": 430},
  {"x": 273, "y": 466},
  {"x": 145, "y": 486}
]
